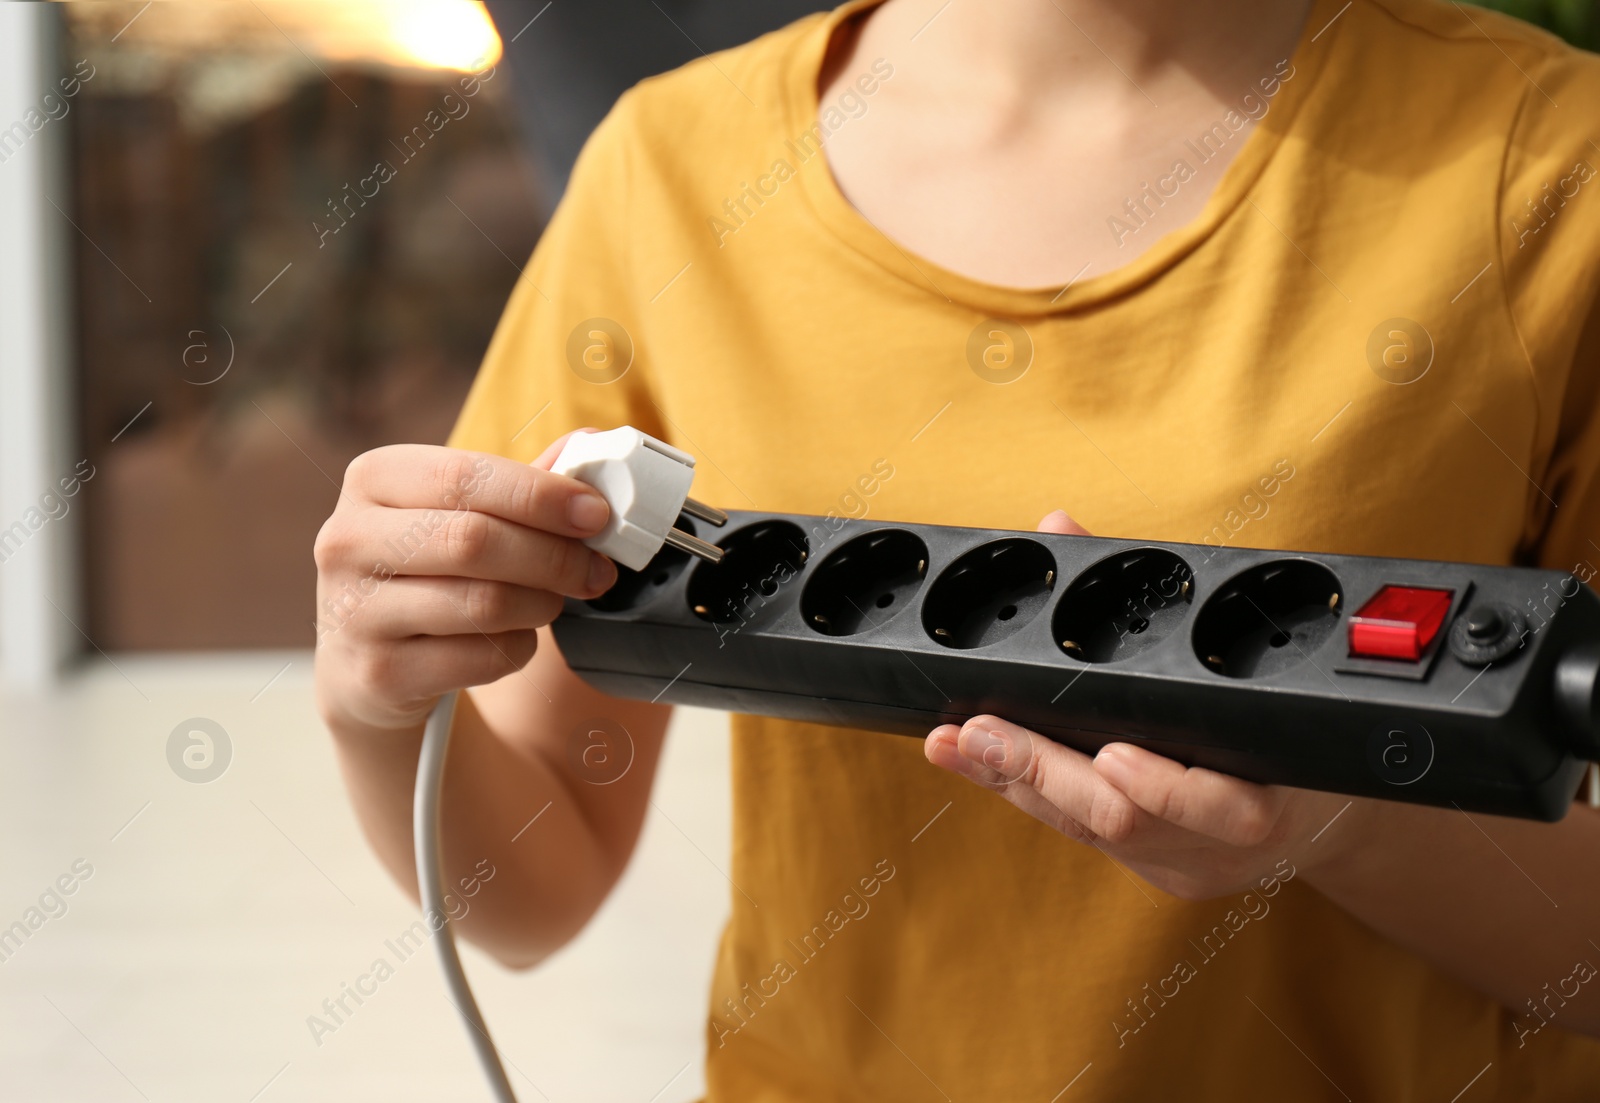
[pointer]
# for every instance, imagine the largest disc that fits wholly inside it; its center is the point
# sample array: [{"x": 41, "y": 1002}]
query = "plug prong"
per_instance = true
[
  {"x": 695, "y": 546},
  {"x": 711, "y": 515}
]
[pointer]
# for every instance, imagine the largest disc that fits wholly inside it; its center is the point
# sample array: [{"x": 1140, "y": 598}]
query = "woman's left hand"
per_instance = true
[{"x": 1188, "y": 831}]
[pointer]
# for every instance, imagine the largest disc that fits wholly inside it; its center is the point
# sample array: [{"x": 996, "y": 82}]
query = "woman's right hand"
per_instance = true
[{"x": 436, "y": 570}]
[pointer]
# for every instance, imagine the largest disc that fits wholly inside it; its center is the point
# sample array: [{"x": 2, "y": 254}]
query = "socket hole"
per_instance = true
[
  {"x": 758, "y": 560},
  {"x": 989, "y": 593},
  {"x": 635, "y": 588},
  {"x": 1268, "y": 619},
  {"x": 874, "y": 571},
  {"x": 1123, "y": 605}
]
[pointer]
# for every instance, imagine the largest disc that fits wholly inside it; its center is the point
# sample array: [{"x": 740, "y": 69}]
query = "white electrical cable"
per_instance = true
[
  {"x": 430, "y": 887},
  {"x": 646, "y": 484}
]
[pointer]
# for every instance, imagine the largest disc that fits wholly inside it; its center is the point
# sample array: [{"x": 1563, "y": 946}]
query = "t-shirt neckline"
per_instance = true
[{"x": 836, "y": 212}]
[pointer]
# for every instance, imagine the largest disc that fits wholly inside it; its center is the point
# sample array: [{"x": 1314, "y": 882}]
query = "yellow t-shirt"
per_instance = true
[{"x": 1380, "y": 337}]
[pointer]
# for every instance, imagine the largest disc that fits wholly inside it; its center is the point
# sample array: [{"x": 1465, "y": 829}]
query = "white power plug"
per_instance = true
[{"x": 647, "y": 483}]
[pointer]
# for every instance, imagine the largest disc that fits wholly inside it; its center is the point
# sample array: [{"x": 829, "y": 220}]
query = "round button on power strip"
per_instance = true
[{"x": 1487, "y": 633}]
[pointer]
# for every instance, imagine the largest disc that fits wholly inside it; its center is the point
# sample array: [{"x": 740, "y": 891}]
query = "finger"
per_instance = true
[
  {"x": 1055, "y": 784},
  {"x": 1220, "y": 807},
  {"x": 405, "y": 606},
  {"x": 1057, "y": 521},
  {"x": 422, "y": 667},
  {"x": 383, "y": 543},
  {"x": 415, "y": 476}
]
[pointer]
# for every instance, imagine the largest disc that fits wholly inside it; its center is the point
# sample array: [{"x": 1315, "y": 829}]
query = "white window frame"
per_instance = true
[{"x": 40, "y": 599}]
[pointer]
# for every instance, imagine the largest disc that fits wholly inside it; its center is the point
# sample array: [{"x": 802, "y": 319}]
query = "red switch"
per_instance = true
[{"x": 1399, "y": 622}]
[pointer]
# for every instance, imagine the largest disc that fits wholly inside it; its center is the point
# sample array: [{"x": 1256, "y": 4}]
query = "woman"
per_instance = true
[{"x": 1311, "y": 274}]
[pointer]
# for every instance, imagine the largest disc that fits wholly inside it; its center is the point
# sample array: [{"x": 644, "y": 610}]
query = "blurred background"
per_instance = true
[
  {"x": 210, "y": 301},
  {"x": 248, "y": 319}
]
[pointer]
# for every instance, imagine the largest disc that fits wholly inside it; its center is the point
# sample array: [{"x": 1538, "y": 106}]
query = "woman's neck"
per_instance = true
[
  {"x": 1047, "y": 49},
  {"x": 1012, "y": 130}
]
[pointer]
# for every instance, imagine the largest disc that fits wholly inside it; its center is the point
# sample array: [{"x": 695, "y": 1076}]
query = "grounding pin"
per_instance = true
[
  {"x": 711, "y": 515},
  {"x": 694, "y": 546}
]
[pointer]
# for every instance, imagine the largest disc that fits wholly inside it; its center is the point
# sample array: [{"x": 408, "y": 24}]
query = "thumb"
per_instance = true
[{"x": 1057, "y": 521}]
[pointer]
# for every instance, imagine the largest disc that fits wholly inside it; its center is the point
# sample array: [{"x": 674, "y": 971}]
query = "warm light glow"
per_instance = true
[
  {"x": 229, "y": 61},
  {"x": 410, "y": 34},
  {"x": 443, "y": 34}
]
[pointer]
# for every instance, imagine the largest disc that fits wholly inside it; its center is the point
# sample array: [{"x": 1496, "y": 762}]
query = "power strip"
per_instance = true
[{"x": 1429, "y": 682}]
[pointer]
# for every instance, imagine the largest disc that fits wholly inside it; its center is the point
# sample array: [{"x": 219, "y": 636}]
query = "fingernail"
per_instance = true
[
  {"x": 986, "y": 747},
  {"x": 1112, "y": 764},
  {"x": 944, "y": 750},
  {"x": 588, "y": 512},
  {"x": 602, "y": 573}
]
